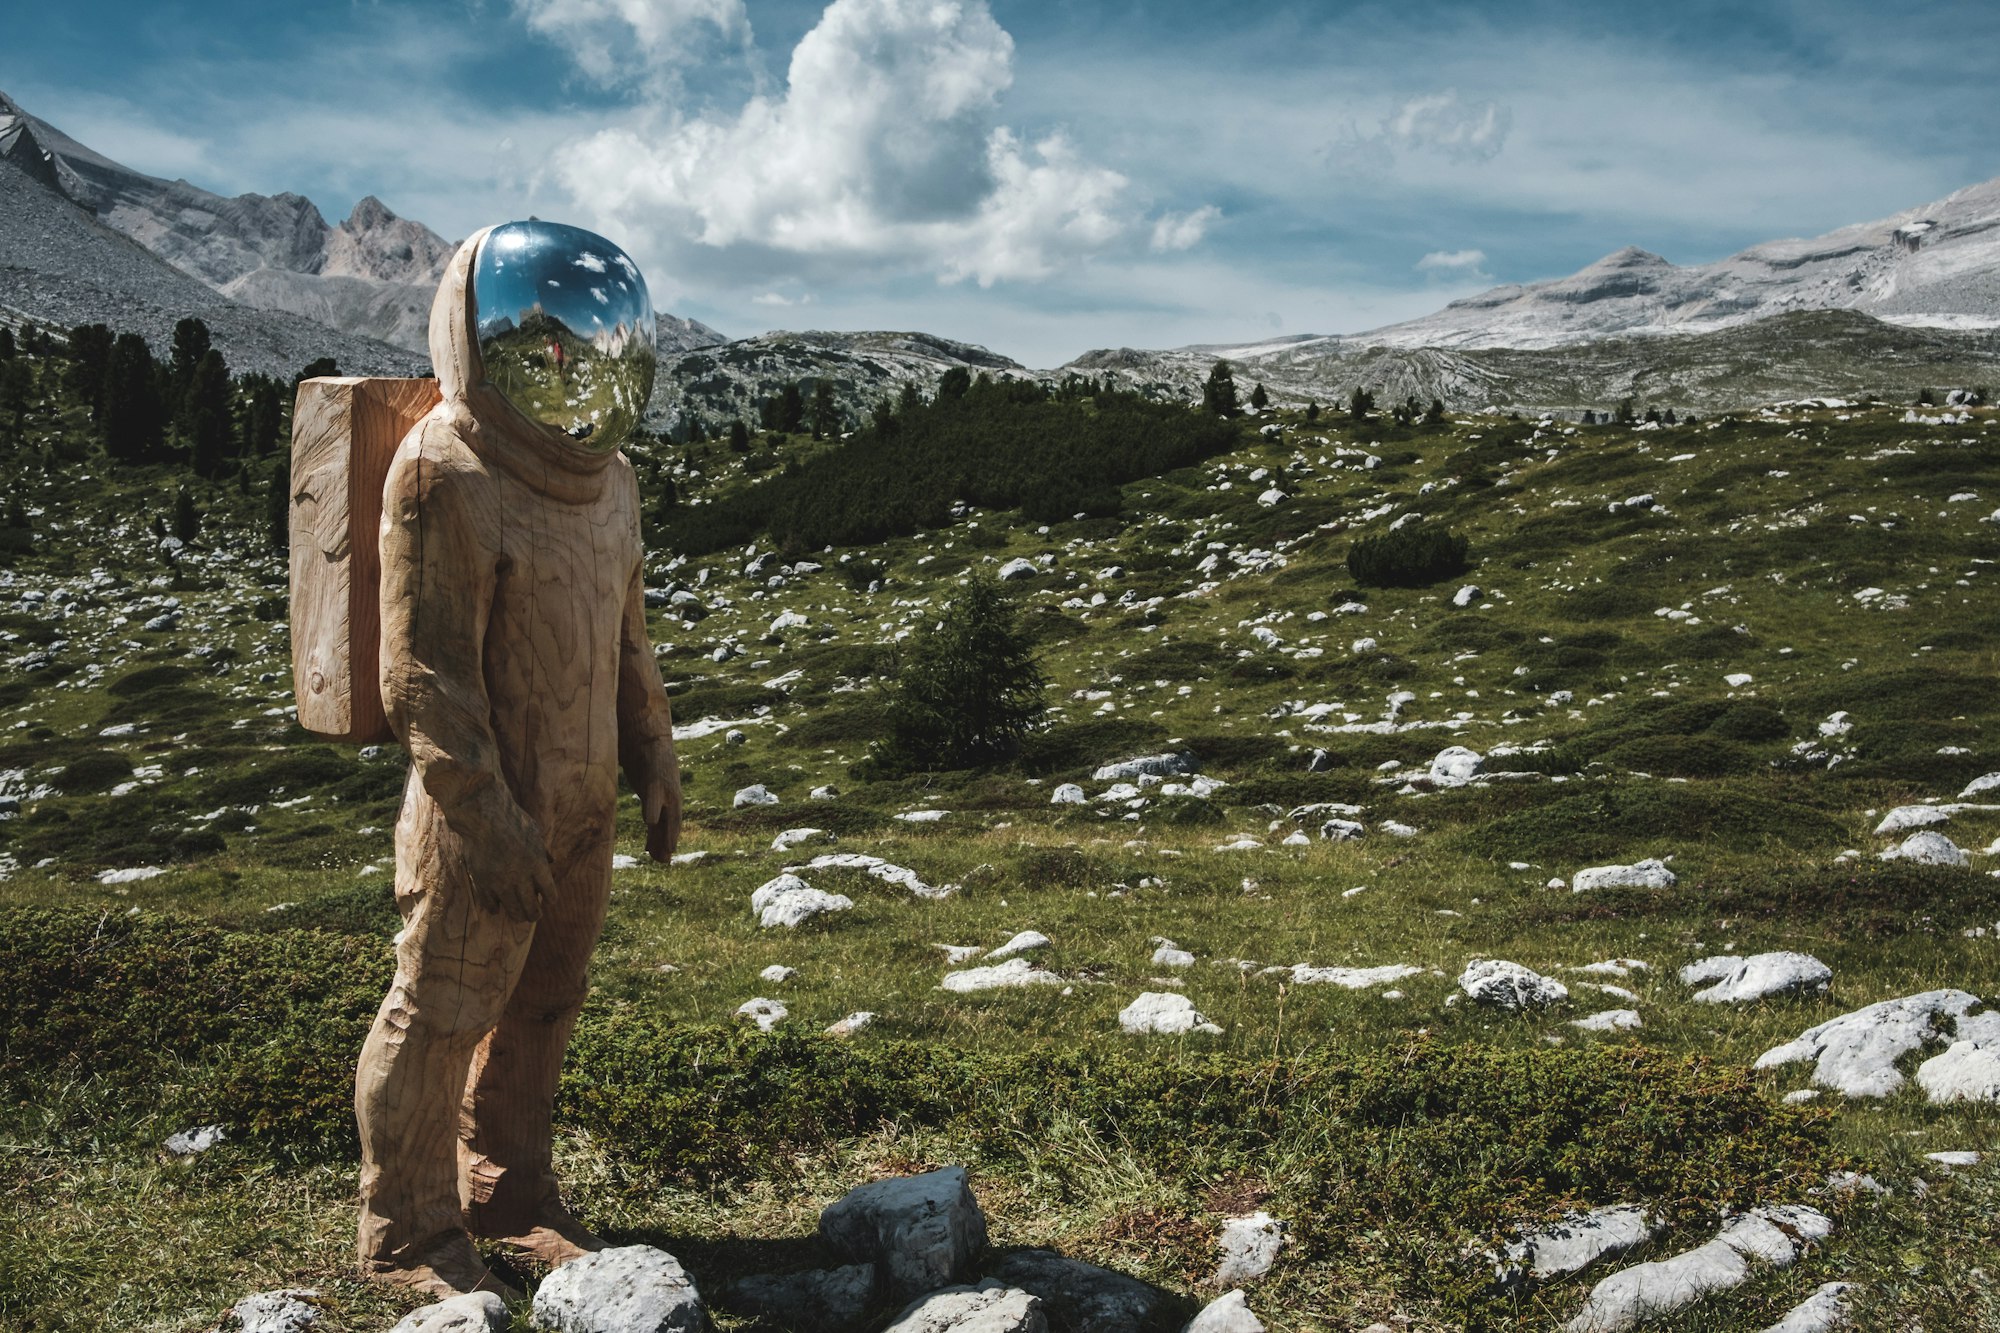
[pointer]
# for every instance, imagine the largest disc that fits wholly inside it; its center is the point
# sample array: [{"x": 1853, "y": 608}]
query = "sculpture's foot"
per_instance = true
[
  {"x": 451, "y": 1267},
  {"x": 554, "y": 1240}
]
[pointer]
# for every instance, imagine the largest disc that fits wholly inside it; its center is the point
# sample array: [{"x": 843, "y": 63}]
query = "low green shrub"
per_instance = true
[
  {"x": 1411, "y": 557},
  {"x": 1640, "y": 819}
]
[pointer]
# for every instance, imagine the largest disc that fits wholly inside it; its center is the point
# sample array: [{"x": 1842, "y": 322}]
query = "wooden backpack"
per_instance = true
[{"x": 345, "y": 431}]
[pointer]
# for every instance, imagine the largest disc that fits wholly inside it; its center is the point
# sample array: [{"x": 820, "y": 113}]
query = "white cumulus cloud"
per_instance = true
[
  {"x": 1182, "y": 231},
  {"x": 884, "y": 150},
  {"x": 615, "y": 41}
]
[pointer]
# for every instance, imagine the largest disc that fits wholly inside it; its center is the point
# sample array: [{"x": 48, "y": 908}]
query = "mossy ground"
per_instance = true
[{"x": 1825, "y": 553}]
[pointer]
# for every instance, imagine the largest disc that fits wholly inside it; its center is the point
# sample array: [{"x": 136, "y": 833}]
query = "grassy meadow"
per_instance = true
[{"x": 1668, "y": 620}]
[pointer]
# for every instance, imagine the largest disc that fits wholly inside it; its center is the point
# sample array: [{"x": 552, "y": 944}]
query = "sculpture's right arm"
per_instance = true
[{"x": 438, "y": 581}]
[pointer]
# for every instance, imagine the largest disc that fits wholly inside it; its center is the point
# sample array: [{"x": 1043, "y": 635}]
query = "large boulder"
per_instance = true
[
  {"x": 1015, "y": 972},
  {"x": 625, "y": 1289},
  {"x": 1968, "y": 1071},
  {"x": 789, "y": 901},
  {"x": 830, "y": 1299},
  {"x": 1856, "y": 1053},
  {"x": 1082, "y": 1295},
  {"x": 1742, "y": 980},
  {"x": 1506, "y": 985},
  {"x": 921, "y": 1232}
]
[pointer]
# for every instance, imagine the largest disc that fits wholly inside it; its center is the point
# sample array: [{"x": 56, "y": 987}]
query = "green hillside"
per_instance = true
[{"x": 1735, "y": 645}]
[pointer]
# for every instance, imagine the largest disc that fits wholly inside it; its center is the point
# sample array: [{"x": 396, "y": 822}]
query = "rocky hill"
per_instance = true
[
  {"x": 61, "y": 265},
  {"x": 1935, "y": 266},
  {"x": 1804, "y": 354}
]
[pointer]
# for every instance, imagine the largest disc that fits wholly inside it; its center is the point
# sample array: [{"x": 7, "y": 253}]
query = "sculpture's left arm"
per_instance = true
[{"x": 646, "y": 727}]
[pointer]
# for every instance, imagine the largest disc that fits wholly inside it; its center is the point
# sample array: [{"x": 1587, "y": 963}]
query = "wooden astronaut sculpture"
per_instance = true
[{"x": 515, "y": 667}]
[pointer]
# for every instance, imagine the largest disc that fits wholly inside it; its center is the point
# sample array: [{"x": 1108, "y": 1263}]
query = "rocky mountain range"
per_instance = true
[{"x": 1882, "y": 307}]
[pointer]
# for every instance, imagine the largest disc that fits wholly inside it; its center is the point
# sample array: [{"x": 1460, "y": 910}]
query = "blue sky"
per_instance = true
[{"x": 1049, "y": 177}]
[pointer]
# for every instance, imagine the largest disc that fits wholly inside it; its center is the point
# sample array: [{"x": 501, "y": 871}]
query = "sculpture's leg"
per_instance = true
[
  {"x": 455, "y": 967},
  {"x": 511, "y": 1192}
]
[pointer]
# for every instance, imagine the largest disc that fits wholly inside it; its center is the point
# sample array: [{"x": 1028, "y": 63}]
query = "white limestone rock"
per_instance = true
[
  {"x": 1352, "y": 978},
  {"x": 1170, "y": 954},
  {"x": 1927, "y": 848},
  {"x": 1467, "y": 595},
  {"x": 1856, "y": 1053},
  {"x": 1646, "y": 1291},
  {"x": 194, "y": 1142},
  {"x": 874, "y": 866},
  {"x": 799, "y": 837},
  {"x": 765, "y": 1013},
  {"x": 1226, "y": 1314},
  {"x": 1025, "y": 942},
  {"x": 1250, "y": 1246},
  {"x": 789, "y": 901},
  {"x": 1510, "y": 986},
  {"x": 921, "y": 1232},
  {"x": 1013, "y": 973},
  {"x": 1906, "y": 817},
  {"x": 1609, "y": 1020},
  {"x": 1020, "y": 567},
  {"x": 853, "y": 1023},
  {"x": 1067, "y": 794},
  {"x": 755, "y": 794},
  {"x": 1165, "y": 1013},
  {"x": 289, "y": 1311},
  {"x": 1455, "y": 766},
  {"x": 1157, "y": 765},
  {"x": 1574, "y": 1243},
  {"x": 1760, "y": 976},
  {"x": 1966, "y": 1071},
  {"x": 1984, "y": 783},
  {"x": 778, "y": 973},
  {"x": 1823, "y": 1311},
  {"x": 990, "y": 1307},
  {"x": 1651, "y": 873},
  {"x": 625, "y": 1289},
  {"x": 475, "y": 1312}
]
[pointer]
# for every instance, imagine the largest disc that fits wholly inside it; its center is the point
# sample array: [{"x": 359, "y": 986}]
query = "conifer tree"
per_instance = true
[
  {"x": 89, "y": 354},
  {"x": 968, "y": 689},
  {"x": 1218, "y": 395},
  {"x": 1258, "y": 398},
  {"x": 205, "y": 413},
  {"x": 187, "y": 519},
  {"x": 133, "y": 420},
  {"x": 826, "y": 412}
]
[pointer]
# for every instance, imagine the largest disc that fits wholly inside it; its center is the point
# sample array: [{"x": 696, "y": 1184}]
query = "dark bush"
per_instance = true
[
  {"x": 1411, "y": 557},
  {"x": 92, "y": 771}
]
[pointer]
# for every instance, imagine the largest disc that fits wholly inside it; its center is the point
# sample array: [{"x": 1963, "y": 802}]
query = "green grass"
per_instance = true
[{"x": 1404, "y": 1131}]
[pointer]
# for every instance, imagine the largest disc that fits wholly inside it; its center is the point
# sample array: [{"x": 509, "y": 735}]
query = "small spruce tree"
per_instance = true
[
  {"x": 967, "y": 690},
  {"x": 187, "y": 519},
  {"x": 1218, "y": 395},
  {"x": 1258, "y": 398}
]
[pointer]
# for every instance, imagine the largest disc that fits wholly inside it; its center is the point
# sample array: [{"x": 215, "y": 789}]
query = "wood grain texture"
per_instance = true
[
  {"x": 516, "y": 669},
  {"x": 345, "y": 429}
]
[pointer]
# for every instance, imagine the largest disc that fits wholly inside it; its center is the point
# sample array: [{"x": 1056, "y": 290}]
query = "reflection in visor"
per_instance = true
[{"x": 565, "y": 329}]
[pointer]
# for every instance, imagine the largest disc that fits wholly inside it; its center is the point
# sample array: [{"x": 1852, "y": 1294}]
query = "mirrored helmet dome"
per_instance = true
[{"x": 565, "y": 329}]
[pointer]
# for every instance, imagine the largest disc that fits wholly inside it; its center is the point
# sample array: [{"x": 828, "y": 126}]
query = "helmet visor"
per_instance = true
[{"x": 565, "y": 329}]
